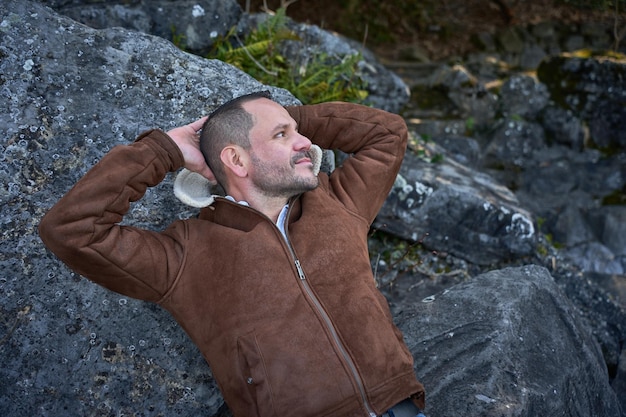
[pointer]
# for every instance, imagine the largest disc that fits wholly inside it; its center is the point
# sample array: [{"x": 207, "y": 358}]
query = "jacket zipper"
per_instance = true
[
  {"x": 335, "y": 337},
  {"x": 327, "y": 320}
]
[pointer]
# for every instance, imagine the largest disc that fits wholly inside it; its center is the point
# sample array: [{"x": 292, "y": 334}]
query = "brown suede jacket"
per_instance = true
[{"x": 289, "y": 328}]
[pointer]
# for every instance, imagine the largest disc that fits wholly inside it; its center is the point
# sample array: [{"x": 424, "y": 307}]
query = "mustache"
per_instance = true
[{"x": 300, "y": 155}]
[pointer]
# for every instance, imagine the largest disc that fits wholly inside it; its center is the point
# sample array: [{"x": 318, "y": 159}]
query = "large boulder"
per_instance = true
[
  {"x": 507, "y": 343},
  {"x": 385, "y": 89},
  {"x": 453, "y": 209},
  {"x": 196, "y": 25},
  {"x": 593, "y": 87}
]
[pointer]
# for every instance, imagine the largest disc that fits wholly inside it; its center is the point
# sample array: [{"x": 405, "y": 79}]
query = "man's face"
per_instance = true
[{"x": 281, "y": 163}]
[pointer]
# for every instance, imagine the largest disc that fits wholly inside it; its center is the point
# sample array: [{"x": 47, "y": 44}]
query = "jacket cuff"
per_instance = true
[{"x": 161, "y": 141}]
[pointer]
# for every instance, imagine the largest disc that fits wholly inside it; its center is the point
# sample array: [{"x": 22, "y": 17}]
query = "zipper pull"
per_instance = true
[{"x": 300, "y": 271}]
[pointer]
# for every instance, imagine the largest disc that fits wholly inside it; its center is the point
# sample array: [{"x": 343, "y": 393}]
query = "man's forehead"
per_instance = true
[
  {"x": 261, "y": 104},
  {"x": 267, "y": 111}
]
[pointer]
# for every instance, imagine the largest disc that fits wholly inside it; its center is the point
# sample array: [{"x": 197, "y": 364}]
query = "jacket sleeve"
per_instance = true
[
  {"x": 376, "y": 141},
  {"x": 83, "y": 228}
]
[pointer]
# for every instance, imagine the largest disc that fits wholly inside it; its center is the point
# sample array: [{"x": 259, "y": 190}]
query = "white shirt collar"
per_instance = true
[{"x": 282, "y": 216}]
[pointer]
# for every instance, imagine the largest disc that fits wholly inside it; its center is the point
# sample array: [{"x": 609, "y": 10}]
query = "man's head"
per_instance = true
[
  {"x": 252, "y": 142},
  {"x": 229, "y": 124}
]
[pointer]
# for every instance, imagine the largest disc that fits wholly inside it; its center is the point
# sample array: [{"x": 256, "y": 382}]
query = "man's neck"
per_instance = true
[
  {"x": 272, "y": 209},
  {"x": 270, "y": 206}
]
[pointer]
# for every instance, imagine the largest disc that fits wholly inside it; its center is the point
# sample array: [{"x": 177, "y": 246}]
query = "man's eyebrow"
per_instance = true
[{"x": 283, "y": 126}]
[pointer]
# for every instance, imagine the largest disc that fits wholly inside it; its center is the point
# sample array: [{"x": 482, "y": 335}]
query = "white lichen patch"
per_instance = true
[
  {"x": 521, "y": 225},
  {"x": 28, "y": 65},
  {"x": 197, "y": 11}
]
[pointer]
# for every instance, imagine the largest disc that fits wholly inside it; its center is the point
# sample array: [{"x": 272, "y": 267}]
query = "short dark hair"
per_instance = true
[{"x": 229, "y": 124}]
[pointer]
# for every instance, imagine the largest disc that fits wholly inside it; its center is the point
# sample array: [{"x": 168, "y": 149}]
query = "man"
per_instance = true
[{"x": 273, "y": 282}]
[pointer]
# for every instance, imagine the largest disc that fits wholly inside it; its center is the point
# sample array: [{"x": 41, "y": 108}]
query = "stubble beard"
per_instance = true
[{"x": 276, "y": 180}]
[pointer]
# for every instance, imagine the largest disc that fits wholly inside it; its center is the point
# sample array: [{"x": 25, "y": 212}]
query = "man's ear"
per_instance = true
[{"x": 235, "y": 159}]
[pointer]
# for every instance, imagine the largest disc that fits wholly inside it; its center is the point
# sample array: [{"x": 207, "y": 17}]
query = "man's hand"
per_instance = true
[{"x": 188, "y": 140}]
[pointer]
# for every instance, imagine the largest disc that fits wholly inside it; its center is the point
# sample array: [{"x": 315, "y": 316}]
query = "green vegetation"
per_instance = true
[
  {"x": 178, "y": 39},
  {"x": 320, "y": 78},
  {"x": 417, "y": 145},
  {"x": 398, "y": 254},
  {"x": 548, "y": 238}
]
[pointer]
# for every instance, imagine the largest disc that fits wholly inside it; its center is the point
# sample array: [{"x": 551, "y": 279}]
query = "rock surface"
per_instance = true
[
  {"x": 450, "y": 208},
  {"x": 196, "y": 25},
  {"x": 487, "y": 344},
  {"x": 71, "y": 348}
]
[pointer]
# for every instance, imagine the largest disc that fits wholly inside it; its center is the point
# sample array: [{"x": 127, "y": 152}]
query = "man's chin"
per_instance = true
[{"x": 310, "y": 184}]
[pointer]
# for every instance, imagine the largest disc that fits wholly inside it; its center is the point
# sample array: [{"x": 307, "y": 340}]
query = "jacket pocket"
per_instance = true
[
  {"x": 289, "y": 375},
  {"x": 255, "y": 375}
]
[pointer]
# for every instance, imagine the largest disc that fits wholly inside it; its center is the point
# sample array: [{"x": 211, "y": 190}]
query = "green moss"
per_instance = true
[
  {"x": 542, "y": 250},
  {"x": 322, "y": 78},
  {"x": 417, "y": 146},
  {"x": 395, "y": 252},
  {"x": 178, "y": 39}
]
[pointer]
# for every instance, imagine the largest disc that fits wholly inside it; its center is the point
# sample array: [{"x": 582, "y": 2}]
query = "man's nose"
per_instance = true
[{"x": 302, "y": 143}]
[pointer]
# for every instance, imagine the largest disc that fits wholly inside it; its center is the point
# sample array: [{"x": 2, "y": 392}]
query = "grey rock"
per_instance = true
[
  {"x": 452, "y": 209},
  {"x": 594, "y": 257},
  {"x": 385, "y": 89},
  {"x": 593, "y": 294},
  {"x": 105, "y": 15},
  {"x": 199, "y": 22},
  {"x": 465, "y": 150},
  {"x": 531, "y": 56},
  {"x": 610, "y": 222},
  {"x": 607, "y": 121},
  {"x": 513, "y": 141},
  {"x": 519, "y": 47},
  {"x": 467, "y": 342},
  {"x": 433, "y": 128},
  {"x": 607, "y": 174},
  {"x": 564, "y": 164},
  {"x": 595, "y": 90},
  {"x": 566, "y": 188},
  {"x": 562, "y": 126},
  {"x": 196, "y": 23},
  {"x": 571, "y": 228},
  {"x": 550, "y": 177},
  {"x": 487, "y": 66},
  {"x": 452, "y": 92},
  {"x": 523, "y": 96}
]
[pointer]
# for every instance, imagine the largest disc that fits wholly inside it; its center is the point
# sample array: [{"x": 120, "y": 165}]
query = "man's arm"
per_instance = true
[
  {"x": 83, "y": 229},
  {"x": 375, "y": 138}
]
